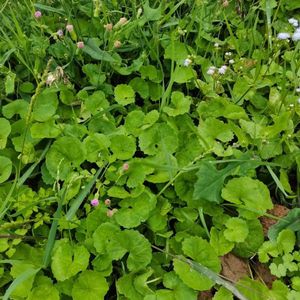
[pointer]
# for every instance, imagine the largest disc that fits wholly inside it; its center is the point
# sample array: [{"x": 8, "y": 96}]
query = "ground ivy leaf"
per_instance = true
[
  {"x": 236, "y": 230},
  {"x": 124, "y": 94},
  {"x": 68, "y": 260},
  {"x": 90, "y": 285},
  {"x": 249, "y": 193},
  {"x": 191, "y": 277},
  {"x": 184, "y": 74},
  {"x": 223, "y": 294},
  {"x": 5, "y": 168},
  {"x": 158, "y": 138},
  {"x": 134, "y": 211},
  {"x": 122, "y": 146},
  {"x": 5, "y": 130},
  {"x": 45, "y": 106},
  {"x": 46, "y": 129},
  {"x": 134, "y": 121},
  {"x": 94, "y": 74},
  {"x": 19, "y": 107},
  {"x": 64, "y": 154},
  {"x": 45, "y": 292},
  {"x": 151, "y": 73},
  {"x": 217, "y": 240},
  {"x": 221, "y": 107},
  {"x": 176, "y": 51},
  {"x": 140, "y": 86},
  {"x": 96, "y": 145},
  {"x": 96, "y": 102},
  {"x": 180, "y": 105}
]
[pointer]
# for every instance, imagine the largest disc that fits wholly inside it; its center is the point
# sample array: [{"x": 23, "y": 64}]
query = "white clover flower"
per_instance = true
[
  {"x": 228, "y": 53},
  {"x": 283, "y": 35},
  {"x": 293, "y": 22},
  {"x": 296, "y": 36},
  {"x": 298, "y": 90},
  {"x": 216, "y": 45},
  {"x": 211, "y": 70},
  {"x": 231, "y": 61},
  {"x": 222, "y": 70},
  {"x": 187, "y": 62}
]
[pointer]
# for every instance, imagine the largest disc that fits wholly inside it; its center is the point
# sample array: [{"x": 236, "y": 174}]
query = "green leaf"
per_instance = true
[
  {"x": 140, "y": 86},
  {"x": 45, "y": 292},
  {"x": 223, "y": 294},
  {"x": 290, "y": 221},
  {"x": 176, "y": 51},
  {"x": 124, "y": 94},
  {"x": 251, "y": 195},
  {"x": 68, "y": 260},
  {"x": 91, "y": 48},
  {"x": 134, "y": 211},
  {"x": 95, "y": 75},
  {"x": 67, "y": 96},
  {"x": 19, "y": 107},
  {"x": 158, "y": 138},
  {"x": 10, "y": 83},
  {"x": 286, "y": 240},
  {"x": 45, "y": 106},
  {"x": 152, "y": 14},
  {"x": 47, "y": 129},
  {"x": 96, "y": 102},
  {"x": 236, "y": 230},
  {"x": 96, "y": 145},
  {"x": 64, "y": 154},
  {"x": 123, "y": 147},
  {"x": 5, "y": 168},
  {"x": 218, "y": 241},
  {"x": 180, "y": 105},
  {"x": 184, "y": 74},
  {"x": 5, "y": 130},
  {"x": 90, "y": 285},
  {"x": 210, "y": 181}
]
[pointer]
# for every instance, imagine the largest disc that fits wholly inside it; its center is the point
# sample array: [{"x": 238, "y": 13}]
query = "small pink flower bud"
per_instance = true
[
  {"x": 108, "y": 27},
  {"x": 37, "y": 14},
  {"x": 107, "y": 202},
  {"x": 111, "y": 212},
  {"x": 123, "y": 21},
  {"x": 70, "y": 27},
  {"x": 80, "y": 45},
  {"x": 117, "y": 44},
  {"x": 95, "y": 202},
  {"x": 125, "y": 166}
]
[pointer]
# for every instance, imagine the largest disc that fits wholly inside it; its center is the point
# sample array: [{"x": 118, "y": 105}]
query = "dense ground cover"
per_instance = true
[{"x": 143, "y": 146}]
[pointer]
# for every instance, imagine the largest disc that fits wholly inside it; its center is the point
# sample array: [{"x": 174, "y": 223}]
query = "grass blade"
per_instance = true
[{"x": 76, "y": 204}]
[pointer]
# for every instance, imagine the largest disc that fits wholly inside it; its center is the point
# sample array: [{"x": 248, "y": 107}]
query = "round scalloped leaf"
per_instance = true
[
  {"x": 96, "y": 145},
  {"x": 158, "y": 138},
  {"x": 19, "y": 107},
  {"x": 179, "y": 105},
  {"x": 124, "y": 94},
  {"x": 45, "y": 130},
  {"x": 236, "y": 230},
  {"x": 96, "y": 102},
  {"x": 45, "y": 292},
  {"x": 45, "y": 106},
  {"x": 68, "y": 260},
  {"x": 249, "y": 193},
  {"x": 5, "y": 168},
  {"x": 5, "y": 130},
  {"x": 65, "y": 154},
  {"x": 122, "y": 146},
  {"x": 90, "y": 285}
]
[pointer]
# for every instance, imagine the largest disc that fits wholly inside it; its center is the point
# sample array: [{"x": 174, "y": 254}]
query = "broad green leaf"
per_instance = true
[
  {"x": 291, "y": 221},
  {"x": 5, "y": 130},
  {"x": 236, "y": 230},
  {"x": 223, "y": 294},
  {"x": 151, "y": 73},
  {"x": 94, "y": 73},
  {"x": 47, "y": 129},
  {"x": 64, "y": 154},
  {"x": 5, "y": 168},
  {"x": 124, "y": 94},
  {"x": 218, "y": 241},
  {"x": 140, "y": 86},
  {"x": 286, "y": 240},
  {"x": 251, "y": 195},
  {"x": 45, "y": 292},
  {"x": 152, "y": 14},
  {"x": 45, "y": 106},
  {"x": 184, "y": 74},
  {"x": 134, "y": 211},
  {"x": 90, "y": 285},
  {"x": 19, "y": 107},
  {"x": 96, "y": 145},
  {"x": 67, "y": 96},
  {"x": 221, "y": 107},
  {"x": 176, "y": 51},
  {"x": 158, "y": 138},
  {"x": 180, "y": 104},
  {"x": 10, "y": 83},
  {"x": 96, "y": 102},
  {"x": 123, "y": 147},
  {"x": 68, "y": 259}
]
